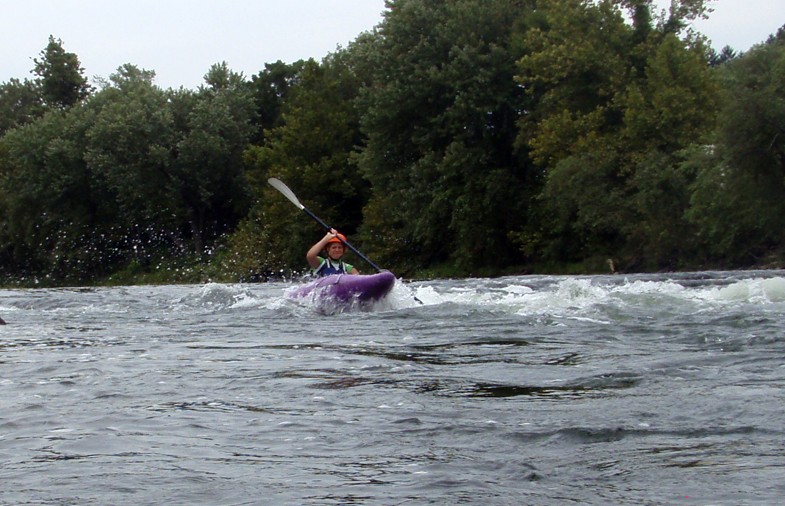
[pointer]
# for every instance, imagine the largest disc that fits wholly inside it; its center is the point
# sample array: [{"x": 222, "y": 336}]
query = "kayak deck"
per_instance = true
[{"x": 347, "y": 288}]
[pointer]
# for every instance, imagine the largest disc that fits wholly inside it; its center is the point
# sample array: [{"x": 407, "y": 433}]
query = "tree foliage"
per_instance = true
[
  {"x": 439, "y": 114},
  {"x": 134, "y": 171},
  {"x": 20, "y": 103},
  {"x": 311, "y": 150},
  {"x": 458, "y": 137},
  {"x": 61, "y": 76},
  {"x": 270, "y": 89},
  {"x": 738, "y": 200},
  {"x": 46, "y": 205},
  {"x": 616, "y": 102}
]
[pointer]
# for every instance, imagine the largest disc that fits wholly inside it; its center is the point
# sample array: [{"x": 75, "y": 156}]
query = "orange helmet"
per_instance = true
[{"x": 340, "y": 239}]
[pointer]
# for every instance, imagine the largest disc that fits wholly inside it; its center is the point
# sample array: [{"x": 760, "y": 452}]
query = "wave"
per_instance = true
[
  {"x": 596, "y": 299},
  {"x": 578, "y": 296}
]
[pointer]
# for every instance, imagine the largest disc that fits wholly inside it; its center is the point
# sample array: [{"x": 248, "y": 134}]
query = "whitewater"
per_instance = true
[{"x": 621, "y": 389}]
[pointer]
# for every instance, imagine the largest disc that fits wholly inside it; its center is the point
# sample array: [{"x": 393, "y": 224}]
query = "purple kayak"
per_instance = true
[{"x": 347, "y": 288}]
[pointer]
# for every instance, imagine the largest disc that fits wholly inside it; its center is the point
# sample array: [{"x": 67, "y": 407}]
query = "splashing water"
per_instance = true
[{"x": 638, "y": 389}]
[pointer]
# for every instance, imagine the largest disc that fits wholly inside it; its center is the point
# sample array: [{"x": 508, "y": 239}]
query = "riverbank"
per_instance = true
[{"x": 195, "y": 270}]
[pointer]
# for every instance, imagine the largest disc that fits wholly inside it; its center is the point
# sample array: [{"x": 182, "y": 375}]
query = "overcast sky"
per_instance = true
[
  {"x": 181, "y": 39},
  {"x": 740, "y": 23}
]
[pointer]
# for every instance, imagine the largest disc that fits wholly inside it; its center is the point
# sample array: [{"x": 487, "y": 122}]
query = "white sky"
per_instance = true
[
  {"x": 181, "y": 39},
  {"x": 740, "y": 24}
]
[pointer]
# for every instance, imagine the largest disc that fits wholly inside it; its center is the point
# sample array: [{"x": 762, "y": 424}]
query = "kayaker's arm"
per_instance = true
[{"x": 313, "y": 254}]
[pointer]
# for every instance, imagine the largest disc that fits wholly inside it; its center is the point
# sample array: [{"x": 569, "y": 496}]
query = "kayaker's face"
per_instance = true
[{"x": 335, "y": 250}]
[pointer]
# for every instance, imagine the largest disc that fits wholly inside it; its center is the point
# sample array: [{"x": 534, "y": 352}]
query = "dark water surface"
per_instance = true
[{"x": 655, "y": 389}]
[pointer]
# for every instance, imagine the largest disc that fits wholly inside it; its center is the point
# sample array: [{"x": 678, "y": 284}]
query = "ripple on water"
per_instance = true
[{"x": 523, "y": 389}]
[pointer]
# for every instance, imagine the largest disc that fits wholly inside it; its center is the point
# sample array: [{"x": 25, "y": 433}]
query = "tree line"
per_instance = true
[{"x": 462, "y": 137}]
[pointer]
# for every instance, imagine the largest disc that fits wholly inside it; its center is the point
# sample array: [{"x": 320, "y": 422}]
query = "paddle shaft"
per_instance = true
[
  {"x": 289, "y": 194},
  {"x": 355, "y": 250}
]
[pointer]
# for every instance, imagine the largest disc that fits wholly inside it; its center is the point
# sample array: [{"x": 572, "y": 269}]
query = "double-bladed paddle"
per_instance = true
[{"x": 289, "y": 194}]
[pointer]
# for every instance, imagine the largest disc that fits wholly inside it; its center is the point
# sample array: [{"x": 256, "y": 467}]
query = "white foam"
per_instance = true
[
  {"x": 582, "y": 294},
  {"x": 774, "y": 289},
  {"x": 651, "y": 287},
  {"x": 428, "y": 295},
  {"x": 755, "y": 290}
]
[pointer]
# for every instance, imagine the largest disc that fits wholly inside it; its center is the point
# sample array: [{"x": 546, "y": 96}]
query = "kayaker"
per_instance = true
[{"x": 332, "y": 248}]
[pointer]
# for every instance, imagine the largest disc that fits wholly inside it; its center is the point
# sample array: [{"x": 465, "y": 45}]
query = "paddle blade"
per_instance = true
[{"x": 289, "y": 194}]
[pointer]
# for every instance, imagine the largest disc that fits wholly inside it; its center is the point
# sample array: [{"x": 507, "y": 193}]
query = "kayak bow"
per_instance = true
[{"x": 347, "y": 288}]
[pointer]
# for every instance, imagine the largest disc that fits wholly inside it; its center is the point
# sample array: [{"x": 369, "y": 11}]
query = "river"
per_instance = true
[{"x": 640, "y": 389}]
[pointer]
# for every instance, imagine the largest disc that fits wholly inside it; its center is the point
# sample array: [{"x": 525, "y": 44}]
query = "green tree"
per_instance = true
[
  {"x": 439, "y": 111},
  {"x": 174, "y": 158},
  {"x": 615, "y": 104},
  {"x": 725, "y": 55},
  {"x": 738, "y": 199},
  {"x": 60, "y": 75},
  {"x": 134, "y": 173},
  {"x": 55, "y": 216},
  {"x": 20, "y": 103},
  {"x": 312, "y": 152},
  {"x": 270, "y": 89},
  {"x": 129, "y": 146},
  {"x": 60, "y": 84},
  {"x": 208, "y": 161}
]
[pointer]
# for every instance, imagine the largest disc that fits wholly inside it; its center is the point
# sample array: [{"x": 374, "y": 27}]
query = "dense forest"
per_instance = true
[{"x": 457, "y": 138}]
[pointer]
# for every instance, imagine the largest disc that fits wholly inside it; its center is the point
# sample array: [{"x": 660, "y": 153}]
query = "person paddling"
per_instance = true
[{"x": 333, "y": 248}]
